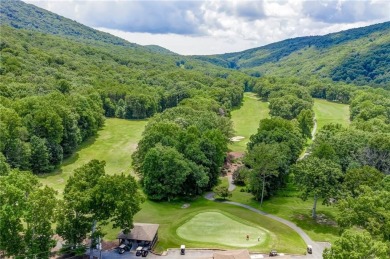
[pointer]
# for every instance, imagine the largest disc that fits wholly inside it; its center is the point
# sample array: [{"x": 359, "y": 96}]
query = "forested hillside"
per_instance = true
[
  {"x": 79, "y": 83},
  {"x": 20, "y": 15},
  {"x": 59, "y": 80},
  {"x": 358, "y": 56},
  {"x": 55, "y": 92}
]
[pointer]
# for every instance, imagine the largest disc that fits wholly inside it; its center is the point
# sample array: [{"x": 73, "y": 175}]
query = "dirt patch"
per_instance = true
[
  {"x": 321, "y": 219},
  {"x": 232, "y": 162},
  {"x": 109, "y": 245},
  {"x": 235, "y": 155},
  {"x": 185, "y": 205},
  {"x": 237, "y": 138},
  {"x": 324, "y": 220}
]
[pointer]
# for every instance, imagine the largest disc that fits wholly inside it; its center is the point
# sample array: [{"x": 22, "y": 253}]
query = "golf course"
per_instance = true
[
  {"x": 114, "y": 143},
  {"x": 210, "y": 227},
  {"x": 201, "y": 223},
  {"x": 329, "y": 112},
  {"x": 246, "y": 120},
  {"x": 287, "y": 203}
]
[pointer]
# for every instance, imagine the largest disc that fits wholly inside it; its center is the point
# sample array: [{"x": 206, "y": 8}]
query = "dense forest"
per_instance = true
[
  {"x": 60, "y": 80},
  {"x": 80, "y": 84},
  {"x": 358, "y": 56}
]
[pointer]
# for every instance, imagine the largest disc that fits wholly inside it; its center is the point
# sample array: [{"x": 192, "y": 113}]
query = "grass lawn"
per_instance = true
[
  {"x": 114, "y": 143},
  {"x": 246, "y": 119},
  {"x": 175, "y": 222},
  {"x": 286, "y": 204},
  {"x": 210, "y": 227},
  {"x": 330, "y": 112}
]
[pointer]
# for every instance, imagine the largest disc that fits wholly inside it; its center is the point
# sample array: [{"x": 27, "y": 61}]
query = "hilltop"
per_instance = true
[
  {"x": 20, "y": 15},
  {"x": 359, "y": 56}
]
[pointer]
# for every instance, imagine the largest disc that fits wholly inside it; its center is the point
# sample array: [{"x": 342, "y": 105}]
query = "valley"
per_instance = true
[{"x": 98, "y": 133}]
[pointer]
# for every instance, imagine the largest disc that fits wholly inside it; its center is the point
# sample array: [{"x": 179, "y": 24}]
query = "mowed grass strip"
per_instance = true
[
  {"x": 171, "y": 216},
  {"x": 287, "y": 204},
  {"x": 246, "y": 119},
  {"x": 329, "y": 112},
  {"x": 114, "y": 143},
  {"x": 212, "y": 227}
]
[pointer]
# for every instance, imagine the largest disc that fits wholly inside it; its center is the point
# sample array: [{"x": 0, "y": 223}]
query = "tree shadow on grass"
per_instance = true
[
  {"x": 306, "y": 222},
  {"x": 73, "y": 157}
]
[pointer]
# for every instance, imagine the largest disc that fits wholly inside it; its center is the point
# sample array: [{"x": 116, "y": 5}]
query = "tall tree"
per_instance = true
[
  {"x": 39, "y": 156},
  {"x": 26, "y": 216},
  {"x": 370, "y": 210},
  {"x": 164, "y": 172},
  {"x": 357, "y": 177},
  {"x": 306, "y": 122},
  {"x": 39, "y": 218},
  {"x": 92, "y": 199},
  {"x": 265, "y": 160},
  {"x": 278, "y": 130},
  {"x": 320, "y": 178},
  {"x": 357, "y": 245}
]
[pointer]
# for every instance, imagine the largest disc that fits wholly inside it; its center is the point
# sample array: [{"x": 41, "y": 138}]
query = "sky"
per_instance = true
[{"x": 199, "y": 27}]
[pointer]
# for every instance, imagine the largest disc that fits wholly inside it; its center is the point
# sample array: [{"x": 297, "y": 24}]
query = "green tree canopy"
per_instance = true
[
  {"x": 357, "y": 245},
  {"x": 370, "y": 210},
  {"x": 92, "y": 199},
  {"x": 319, "y": 178},
  {"x": 26, "y": 216},
  {"x": 266, "y": 161},
  {"x": 364, "y": 176}
]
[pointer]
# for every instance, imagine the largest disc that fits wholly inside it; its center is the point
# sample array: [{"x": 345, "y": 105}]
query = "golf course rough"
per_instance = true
[{"x": 218, "y": 228}]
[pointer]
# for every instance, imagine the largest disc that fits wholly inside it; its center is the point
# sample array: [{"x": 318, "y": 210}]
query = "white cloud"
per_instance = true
[
  {"x": 218, "y": 26},
  {"x": 187, "y": 45}
]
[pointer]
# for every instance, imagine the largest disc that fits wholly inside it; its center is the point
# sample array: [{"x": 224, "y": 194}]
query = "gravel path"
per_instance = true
[{"x": 232, "y": 186}]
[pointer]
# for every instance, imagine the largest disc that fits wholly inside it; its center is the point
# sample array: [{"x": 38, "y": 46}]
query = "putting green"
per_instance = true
[{"x": 217, "y": 228}]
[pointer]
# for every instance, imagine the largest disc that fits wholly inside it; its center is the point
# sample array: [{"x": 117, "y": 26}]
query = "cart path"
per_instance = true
[{"x": 318, "y": 247}]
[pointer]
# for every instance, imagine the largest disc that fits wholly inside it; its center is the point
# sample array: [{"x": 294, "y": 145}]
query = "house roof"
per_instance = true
[
  {"x": 141, "y": 231},
  {"x": 234, "y": 254}
]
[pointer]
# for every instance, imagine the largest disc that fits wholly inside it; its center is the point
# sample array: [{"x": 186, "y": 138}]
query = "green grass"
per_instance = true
[
  {"x": 210, "y": 227},
  {"x": 114, "y": 143},
  {"x": 172, "y": 217},
  {"x": 287, "y": 204},
  {"x": 246, "y": 119},
  {"x": 330, "y": 112}
]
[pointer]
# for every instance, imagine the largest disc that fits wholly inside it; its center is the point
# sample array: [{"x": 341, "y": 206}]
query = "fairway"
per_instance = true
[
  {"x": 114, "y": 143},
  {"x": 329, "y": 112},
  {"x": 211, "y": 227},
  {"x": 246, "y": 120}
]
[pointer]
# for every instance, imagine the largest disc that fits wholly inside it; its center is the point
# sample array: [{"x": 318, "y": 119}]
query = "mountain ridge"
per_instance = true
[
  {"x": 21, "y": 15},
  {"x": 311, "y": 54},
  {"x": 359, "y": 56}
]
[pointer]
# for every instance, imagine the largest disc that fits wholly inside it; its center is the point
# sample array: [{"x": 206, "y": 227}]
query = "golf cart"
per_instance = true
[
  {"x": 182, "y": 249},
  {"x": 309, "y": 249},
  {"x": 138, "y": 251},
  {"x": 123, "y": 248},
  {"x": 273, "y": 253},
  {"x": 145, "y": 251}
]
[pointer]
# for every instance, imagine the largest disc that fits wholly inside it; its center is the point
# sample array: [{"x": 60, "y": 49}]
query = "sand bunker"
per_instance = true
[{"x": 237, "y": 138}]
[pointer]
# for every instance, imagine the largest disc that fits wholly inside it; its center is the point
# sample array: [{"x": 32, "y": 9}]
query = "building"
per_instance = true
[{"x": 142, "y": 234}]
